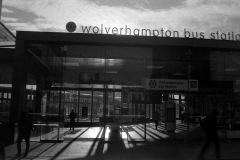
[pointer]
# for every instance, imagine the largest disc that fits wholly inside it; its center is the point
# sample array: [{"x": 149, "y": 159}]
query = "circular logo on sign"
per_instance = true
[{"x": 71, "y": 27}]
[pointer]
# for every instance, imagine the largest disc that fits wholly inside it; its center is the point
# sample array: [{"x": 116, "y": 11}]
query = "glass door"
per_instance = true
[
  {"x": 85, "y": 106},
  {"x": 52, "y": 126},
  {"x": 97, "y": 110},
  {"x": 88, "y": 105},
  {"x": 70, "y": 102}
]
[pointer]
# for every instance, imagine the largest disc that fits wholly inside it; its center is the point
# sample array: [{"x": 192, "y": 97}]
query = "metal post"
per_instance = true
[
  {"x": 59, "y": 111},
  {"x": 188, "y": 103},
  {"x": 78, "y": 105},
  {"x": 145, "y": 127},
  {"x": 91, "y": 116}
]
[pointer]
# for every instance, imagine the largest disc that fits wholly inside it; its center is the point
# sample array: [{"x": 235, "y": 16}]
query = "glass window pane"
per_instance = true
[
  {"x": 85, "y": 106},
  {"x": 126, "y": 65},
  {"x": 97, "y": 106},
  {"x": 5, "y": 95}
]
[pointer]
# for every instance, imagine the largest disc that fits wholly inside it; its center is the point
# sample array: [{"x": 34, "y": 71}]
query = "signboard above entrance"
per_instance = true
[
  {"x": 171, "y": 85},
  {"x": 160, "y": 32}
]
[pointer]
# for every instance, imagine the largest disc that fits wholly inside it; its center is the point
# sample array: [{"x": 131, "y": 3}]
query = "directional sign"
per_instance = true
[
  {"x": 193, "y": 85},
  {"x": 171, "y": 84}
]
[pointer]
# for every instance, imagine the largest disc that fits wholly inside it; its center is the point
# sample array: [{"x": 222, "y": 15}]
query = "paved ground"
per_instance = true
[
  {"x": 159, "y": 144},
  {"x": 163, "y": 150},
  {"x": 130, "y": 132}
]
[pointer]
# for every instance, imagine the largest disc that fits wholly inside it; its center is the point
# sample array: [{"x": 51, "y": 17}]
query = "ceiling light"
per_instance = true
[
  {"x": 155, "y": 67},
  {"x": 111, "y": 71},
  {"x": 178, "y": 74},
  {"x": 231, "y": 69}
]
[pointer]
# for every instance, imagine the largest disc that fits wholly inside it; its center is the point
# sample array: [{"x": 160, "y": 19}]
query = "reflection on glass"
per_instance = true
[
  {"x": 95, "y": 77},
  {"x": 85, "y": 105},
  {"x": 51, "y": 123},
  {"x": 97, "y": 106}
]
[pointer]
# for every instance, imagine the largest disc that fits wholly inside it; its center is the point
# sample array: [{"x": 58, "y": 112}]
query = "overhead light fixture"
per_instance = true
[
  {"x": 71, "y": 64},
  {"x": 114, "y": 62},
  {"x": 178, "y": 74},
  {"x": 111, "y": 71},
  {"x": 95, "y": 60},
  {"x": 231, "y": 69},
  {"x": 155, "y": 67}
]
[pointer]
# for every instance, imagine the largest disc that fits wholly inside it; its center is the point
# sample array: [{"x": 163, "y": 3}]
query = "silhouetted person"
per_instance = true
[
  {"x": 72, "y": 117},
  {"x": 156, "y": 118},
  {"x": 183, "y": 117},
  {"x": 211, "y": 134},
  {"x": 25, "y": 125}
]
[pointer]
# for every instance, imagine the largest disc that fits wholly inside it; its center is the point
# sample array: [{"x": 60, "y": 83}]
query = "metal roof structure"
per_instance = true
[{"x": 7, "y": 38}]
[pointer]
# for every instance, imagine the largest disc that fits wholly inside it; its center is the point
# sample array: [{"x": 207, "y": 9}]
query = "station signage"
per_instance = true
[
  {"x": 160, "y": 32},
  {"x": 171, "y": 85}
]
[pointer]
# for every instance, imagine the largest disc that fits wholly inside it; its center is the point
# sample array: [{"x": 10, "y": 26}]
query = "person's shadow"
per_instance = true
[
  {"x": 114, "y": 134},
  {"x": 2, "y": 151}
]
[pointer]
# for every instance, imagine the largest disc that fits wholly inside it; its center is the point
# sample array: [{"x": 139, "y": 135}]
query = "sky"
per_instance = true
[{"x": 194, "y": 16}]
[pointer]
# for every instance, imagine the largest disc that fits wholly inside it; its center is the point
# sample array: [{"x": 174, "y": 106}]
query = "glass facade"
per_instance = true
[
  {"x": 85, "y": 72},
  {"x": 106, "y": 84}
]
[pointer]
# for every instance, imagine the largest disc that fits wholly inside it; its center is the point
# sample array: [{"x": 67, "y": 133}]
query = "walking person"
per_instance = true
[
  {"x": 156, "y": 118},
  {"x": 211, "y": 134},
  {"x": 25, "y": 125},
  {"x": 183, "y": 117},
  {"x": 72, "y": 117}
]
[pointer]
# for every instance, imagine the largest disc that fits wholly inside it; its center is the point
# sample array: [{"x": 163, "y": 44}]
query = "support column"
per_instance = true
[
  {"x": 38, "y": 96},
  {"x": 18, "y": 100}
]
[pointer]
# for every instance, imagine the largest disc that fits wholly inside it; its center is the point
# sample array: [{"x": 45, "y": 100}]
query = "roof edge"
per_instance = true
[{"x": 14, "y": 37}]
